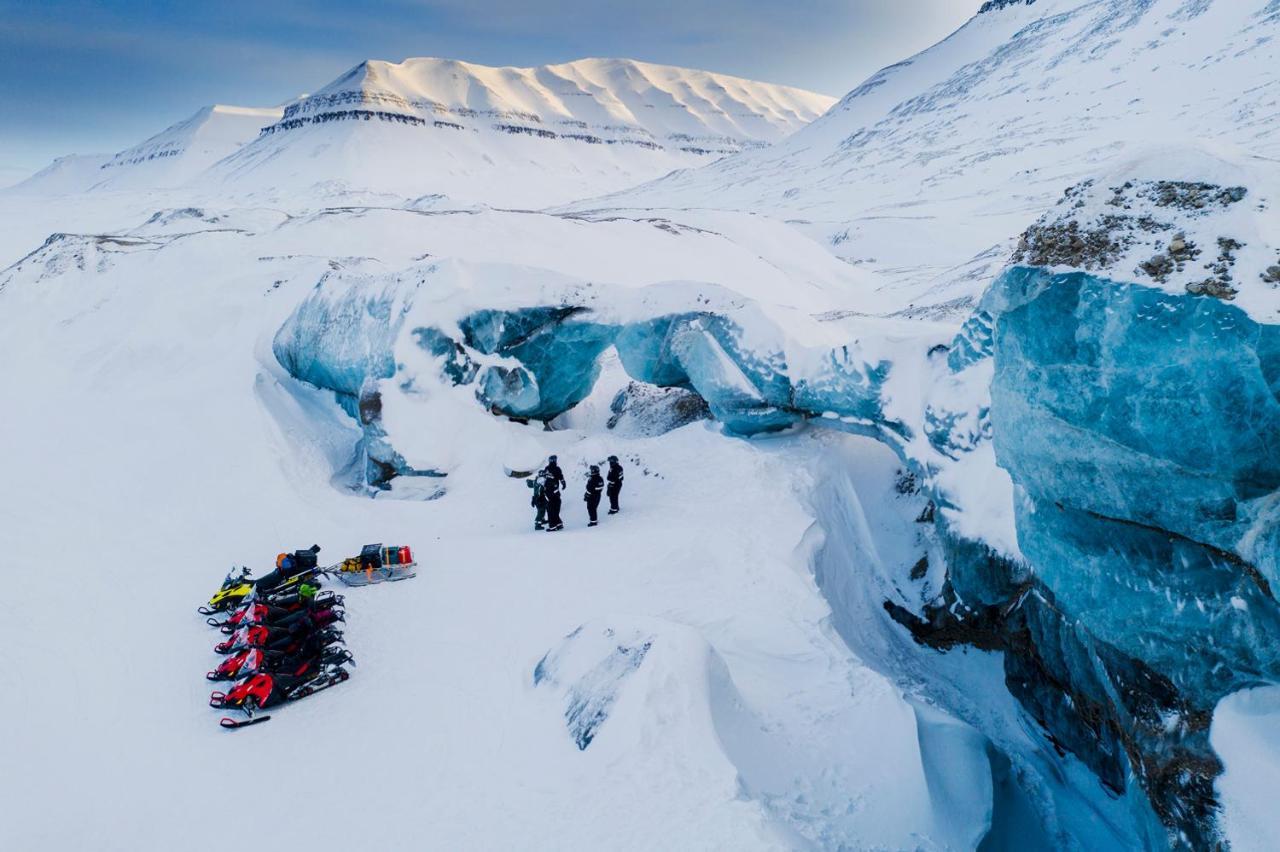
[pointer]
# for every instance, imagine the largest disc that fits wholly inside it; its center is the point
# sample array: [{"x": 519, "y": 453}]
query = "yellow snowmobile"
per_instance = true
[
  {"x": 235, "y": 588},
  {"x": 291, "y": 570}
]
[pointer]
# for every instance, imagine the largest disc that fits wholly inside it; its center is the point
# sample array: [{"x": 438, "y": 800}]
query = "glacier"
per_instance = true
[{"x": 1135, "y": 422}]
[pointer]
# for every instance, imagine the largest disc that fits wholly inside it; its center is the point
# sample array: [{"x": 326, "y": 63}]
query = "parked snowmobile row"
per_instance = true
[{"x": 282, "y": 640}]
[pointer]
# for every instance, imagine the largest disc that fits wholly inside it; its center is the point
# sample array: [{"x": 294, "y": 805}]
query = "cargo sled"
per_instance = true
[{"x": 377, "y": 564}]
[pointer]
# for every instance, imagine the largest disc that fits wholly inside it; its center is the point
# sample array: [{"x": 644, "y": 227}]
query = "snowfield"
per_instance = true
[{"x": 750, "y": 724}]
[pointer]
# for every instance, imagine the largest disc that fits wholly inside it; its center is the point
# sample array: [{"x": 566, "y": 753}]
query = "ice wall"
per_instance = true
[
  {"x": 1124, "y": 373},
  {"x": 1140, "y": 430}
]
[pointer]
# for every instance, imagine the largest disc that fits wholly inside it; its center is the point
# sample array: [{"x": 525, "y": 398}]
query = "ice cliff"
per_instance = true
[{"x": 1134, "y": 400}]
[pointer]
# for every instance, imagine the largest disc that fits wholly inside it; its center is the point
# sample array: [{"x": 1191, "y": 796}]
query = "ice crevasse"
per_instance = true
[{"x": 1115, "y": 396}]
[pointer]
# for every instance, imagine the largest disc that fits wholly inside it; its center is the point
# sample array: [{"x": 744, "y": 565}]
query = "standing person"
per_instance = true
[
  {"x": 615, "y": 484},
  {"x": 553, "y": 470},
  {"x": 551, "y": 488},
  {"x": 539, "y": 499},
  {"x": 595, "y": 485}
]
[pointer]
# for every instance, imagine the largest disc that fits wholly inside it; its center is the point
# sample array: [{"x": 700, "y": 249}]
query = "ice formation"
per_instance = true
[
  {"x": 1132, "y": 590},
  {"x": 1134, "y": 406}
]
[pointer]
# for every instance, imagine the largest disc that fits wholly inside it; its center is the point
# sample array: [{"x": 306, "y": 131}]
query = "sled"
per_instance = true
[{"x": 377, "y": 564}]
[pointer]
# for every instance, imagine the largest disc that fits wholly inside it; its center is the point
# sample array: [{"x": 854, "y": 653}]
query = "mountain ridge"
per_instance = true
[{"x": 511, "y": 136}]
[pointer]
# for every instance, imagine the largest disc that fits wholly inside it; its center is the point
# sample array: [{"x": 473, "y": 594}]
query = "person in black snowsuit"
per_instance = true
[
  {"x": 539, "y": 500},
  {"x": 551, "y": 488},
  {"x": 553, "y": 470},
  {"x": 595, "y": 485},
  {"x": 615, "y": 484}
]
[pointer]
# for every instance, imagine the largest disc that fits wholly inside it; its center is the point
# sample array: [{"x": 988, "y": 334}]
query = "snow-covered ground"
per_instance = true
[{"x": 158, "y": 442}]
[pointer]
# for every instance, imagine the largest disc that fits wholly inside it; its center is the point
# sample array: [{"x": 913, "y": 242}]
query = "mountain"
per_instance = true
[
  {"x": 515, "y": 136},
  {"x": 72, "y": 173},
  {"x": 934, "y": 161},
  {"x": 168, "y": 159}
]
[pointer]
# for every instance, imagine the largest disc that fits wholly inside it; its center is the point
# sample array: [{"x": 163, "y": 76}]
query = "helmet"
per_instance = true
[
  {"x": 595, "y": 468},
  {"x": 307, "y": 591},
  {"x": 280, "y": 558},
  {"x": 613, "y": 458},
  {"x": 551, "y": 458}
]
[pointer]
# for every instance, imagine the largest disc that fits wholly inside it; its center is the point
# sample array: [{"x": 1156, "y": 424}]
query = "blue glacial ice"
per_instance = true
[
  {"x": 557, "y": 350},
  {"x": 1139, "y": 405},
  {"x": 549, "y": 362},
  {"x": 1140, "y": 430},
  {"x": 337, "y": 342}
]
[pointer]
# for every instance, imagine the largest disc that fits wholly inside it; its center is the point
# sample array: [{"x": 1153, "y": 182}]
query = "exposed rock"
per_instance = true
[
  {"x": 1220, "y": 284},
  {"x": 646, "y": 410},
  {"x": 1159, "y": 267}
]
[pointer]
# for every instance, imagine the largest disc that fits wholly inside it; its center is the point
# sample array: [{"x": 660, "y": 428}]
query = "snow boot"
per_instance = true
[{"x": 593, "y": 523}]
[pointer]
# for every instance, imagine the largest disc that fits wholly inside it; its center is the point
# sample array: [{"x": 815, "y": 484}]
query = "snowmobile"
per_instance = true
[
  {"x": 263, "y": 690},
  {"x": 236, "y": 588},
  {"x": 278, "y": 636},
  {"x": 254, "y": 660},
  {"x": 376, "y": 564},
  {"x": 298, "y": 643},
  {"x": 263, "y": 612}
]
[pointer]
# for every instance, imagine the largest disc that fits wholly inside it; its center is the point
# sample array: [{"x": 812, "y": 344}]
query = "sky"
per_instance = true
[{"x": 95, "y": 77}]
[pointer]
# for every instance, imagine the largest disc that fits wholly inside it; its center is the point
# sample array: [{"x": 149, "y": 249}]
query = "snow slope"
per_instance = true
[
  {"x": 65, "y": 175},
  {"x": 929, "y": 164},
  {"x": 170, "y": 158},
  {"x": 511, "y": 136}
]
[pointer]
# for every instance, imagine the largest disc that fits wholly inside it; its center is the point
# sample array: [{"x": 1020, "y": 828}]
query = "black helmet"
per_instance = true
[
  {"x": 595, "y": 468},
  {"x": 551, "y": 458},
  {"x": 613, "y": 458}
]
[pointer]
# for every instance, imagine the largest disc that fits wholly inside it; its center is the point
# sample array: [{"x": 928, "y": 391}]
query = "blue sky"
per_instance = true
[{"x": 88, "y": 77}]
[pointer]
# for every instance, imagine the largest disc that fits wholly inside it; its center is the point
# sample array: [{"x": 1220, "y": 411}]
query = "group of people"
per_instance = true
[{"x": 549, "y": 482}]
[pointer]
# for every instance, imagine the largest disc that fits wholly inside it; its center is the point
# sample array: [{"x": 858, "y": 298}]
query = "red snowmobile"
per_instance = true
[
  {"x": 264, "y": 690},
  {"x": 278, "y": 637},
  {"x": 266, "y": 612},
  {"x": 255, "y": 660}
]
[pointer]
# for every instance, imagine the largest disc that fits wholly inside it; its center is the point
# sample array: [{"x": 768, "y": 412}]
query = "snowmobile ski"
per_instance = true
[{"x": 235, "y": 724}]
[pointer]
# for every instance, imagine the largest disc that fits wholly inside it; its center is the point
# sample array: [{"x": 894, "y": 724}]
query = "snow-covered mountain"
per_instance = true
[
  {"x": 515, "y": 136},
  {"x": 170, "y": 158},
  {"x": 932, "y": 162},
  {"x": 71, "y": 174}
]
